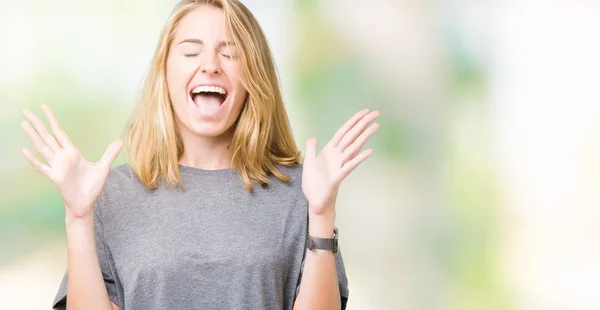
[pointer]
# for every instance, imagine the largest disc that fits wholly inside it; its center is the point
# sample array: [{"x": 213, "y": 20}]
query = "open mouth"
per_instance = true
[{"x": 208, "y": 98}]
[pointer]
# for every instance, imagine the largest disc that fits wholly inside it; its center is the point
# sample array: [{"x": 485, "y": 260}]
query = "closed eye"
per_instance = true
[
  {"x": 190, "y": 55},
  {"x": 226, "y": 56}
]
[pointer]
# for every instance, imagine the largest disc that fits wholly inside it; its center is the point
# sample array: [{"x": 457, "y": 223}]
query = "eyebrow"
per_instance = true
[{"x": 197, "y": 41}]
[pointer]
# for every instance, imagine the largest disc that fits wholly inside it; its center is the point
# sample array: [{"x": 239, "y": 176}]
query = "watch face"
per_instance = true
[{"x": 335, "y": 241}]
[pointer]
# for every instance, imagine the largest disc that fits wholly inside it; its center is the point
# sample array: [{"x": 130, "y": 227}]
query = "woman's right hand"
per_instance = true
[{"x": 78, "y": 180}]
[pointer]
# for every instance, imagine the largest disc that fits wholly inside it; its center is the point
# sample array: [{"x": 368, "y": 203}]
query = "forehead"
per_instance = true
[{"x": 206, "y": 22}]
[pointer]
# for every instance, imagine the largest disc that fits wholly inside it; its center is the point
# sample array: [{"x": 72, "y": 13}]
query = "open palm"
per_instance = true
[
  {"x": 323, "y": 173},
  {"x": 78, "y": 180}
]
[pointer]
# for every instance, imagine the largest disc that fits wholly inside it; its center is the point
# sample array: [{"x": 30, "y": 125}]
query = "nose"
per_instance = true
[{"x": 210, "y": 64}]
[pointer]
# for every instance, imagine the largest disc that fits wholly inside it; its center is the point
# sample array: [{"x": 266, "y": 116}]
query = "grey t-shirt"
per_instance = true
[{"x": 214, "y": 245}]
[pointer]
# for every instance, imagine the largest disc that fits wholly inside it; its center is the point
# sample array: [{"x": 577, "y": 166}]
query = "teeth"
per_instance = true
[{"x": 209, "y": 89}]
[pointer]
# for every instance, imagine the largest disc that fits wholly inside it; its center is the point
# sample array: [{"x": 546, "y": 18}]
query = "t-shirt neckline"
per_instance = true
[{"x": 194, "y": 170}]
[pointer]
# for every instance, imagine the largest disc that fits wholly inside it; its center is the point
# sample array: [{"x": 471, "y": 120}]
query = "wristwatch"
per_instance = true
[{"x": 324, "y": 243}]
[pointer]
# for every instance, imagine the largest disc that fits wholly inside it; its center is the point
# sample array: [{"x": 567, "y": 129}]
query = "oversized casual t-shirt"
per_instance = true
[{"x": 211, "y": 245}]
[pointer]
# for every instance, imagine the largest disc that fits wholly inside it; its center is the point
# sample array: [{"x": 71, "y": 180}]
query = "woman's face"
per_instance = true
[{"x": 204, "y": 74}]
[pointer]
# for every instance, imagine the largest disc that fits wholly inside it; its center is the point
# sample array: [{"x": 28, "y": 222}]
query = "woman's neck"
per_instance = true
[{"x": 209, "y": 153}]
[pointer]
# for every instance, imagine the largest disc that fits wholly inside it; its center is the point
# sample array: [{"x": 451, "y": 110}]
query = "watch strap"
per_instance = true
[{"x": 323, "y": 243}]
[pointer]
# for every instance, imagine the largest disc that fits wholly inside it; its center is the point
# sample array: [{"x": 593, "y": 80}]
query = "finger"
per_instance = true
[
  {"x": 358, "y": 129},
  {"x": 41, "y": 130},
  {"x": 352, "y": 150},
  {"x": 352, "y": 164},
  {"x": 311, "y": 148},
  {"x": 347, "y": 126},
  {"x": 111, "y": 153},
  {"x": 41, "y": 147},
  {"x": 41, "y": 168},
  {"x": 59, "y": 133}
]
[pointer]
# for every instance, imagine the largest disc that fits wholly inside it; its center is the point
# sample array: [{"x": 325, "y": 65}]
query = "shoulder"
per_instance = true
[
  {"x": 291, "y": 188},
  {"x": 294, "y": 173},
  {"x": 121, "y": 177},
  {"x": 122, "y": 185}
]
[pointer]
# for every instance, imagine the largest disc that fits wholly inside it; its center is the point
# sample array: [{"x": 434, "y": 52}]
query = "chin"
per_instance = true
[{"x": 207, "y": 129}]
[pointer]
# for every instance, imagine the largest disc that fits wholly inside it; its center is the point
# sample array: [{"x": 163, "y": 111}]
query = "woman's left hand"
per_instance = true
[{"x": 322, "y": 173}]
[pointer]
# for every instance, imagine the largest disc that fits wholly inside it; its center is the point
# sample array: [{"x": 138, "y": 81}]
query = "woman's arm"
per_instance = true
[
  {"x": 79, "y": 183},
  {"x": 322, "y": 174},
  {"x": 319, "y": 287},
  {"x": 85, "y": 286}
]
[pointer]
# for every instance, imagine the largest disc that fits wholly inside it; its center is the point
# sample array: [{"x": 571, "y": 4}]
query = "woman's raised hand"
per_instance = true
[
  {"x": 323, "y": 171},
  {"x": 78, "y": 180}
]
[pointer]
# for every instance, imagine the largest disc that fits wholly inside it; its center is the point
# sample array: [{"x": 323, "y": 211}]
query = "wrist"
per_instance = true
[
  {"x": 322, "y": 225},
  {"x": 72, "y": 221}
]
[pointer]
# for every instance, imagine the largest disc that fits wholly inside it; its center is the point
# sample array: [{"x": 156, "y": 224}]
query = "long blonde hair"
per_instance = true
[{"x": 262, "y": 136}]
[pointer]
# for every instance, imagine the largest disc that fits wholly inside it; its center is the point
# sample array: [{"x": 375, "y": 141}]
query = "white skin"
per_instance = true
[
  {"x": 206, "y": 139},
  {"x": 202, "y": 53}
]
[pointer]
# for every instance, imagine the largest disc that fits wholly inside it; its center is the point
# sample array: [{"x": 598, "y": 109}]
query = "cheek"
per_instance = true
[
  {"x": 233, "y": 71},
  {"x": 240, "y": 92},
  {"x": 178, "y": 75},
  {"x": 235, "y": 78}
]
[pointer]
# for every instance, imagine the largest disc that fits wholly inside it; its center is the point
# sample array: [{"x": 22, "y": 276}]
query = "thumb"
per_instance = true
[
  {"x": 111, "y": 153},
  {"x": 311, "y": 148}
]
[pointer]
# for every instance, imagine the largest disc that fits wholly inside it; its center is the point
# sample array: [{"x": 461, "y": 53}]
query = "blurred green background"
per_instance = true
[{"x": 483, "y": 189}]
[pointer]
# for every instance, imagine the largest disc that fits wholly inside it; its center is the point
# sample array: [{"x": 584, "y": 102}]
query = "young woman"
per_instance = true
[{"x": 214, "y": 209}]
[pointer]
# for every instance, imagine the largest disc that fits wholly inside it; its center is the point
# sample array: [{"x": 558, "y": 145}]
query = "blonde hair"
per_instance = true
[{"x": 262, "y": 136}]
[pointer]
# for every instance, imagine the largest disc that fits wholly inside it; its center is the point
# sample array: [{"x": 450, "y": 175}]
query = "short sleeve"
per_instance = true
[
  {"x": 106, "y": 266},
  {"x": 342, "y": 279}
]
